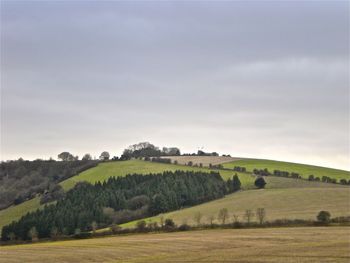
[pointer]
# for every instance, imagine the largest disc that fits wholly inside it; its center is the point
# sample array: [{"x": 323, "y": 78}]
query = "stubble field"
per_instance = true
[{"x": 303, "y": 244}]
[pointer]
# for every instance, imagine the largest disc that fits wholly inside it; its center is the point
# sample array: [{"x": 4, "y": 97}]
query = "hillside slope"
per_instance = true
[
  {"x": 102, "y": 172},
  {"x": 105, "y": 170},
  {"x": 291, "y": 203},
  {"x": 303, "y": 169}
]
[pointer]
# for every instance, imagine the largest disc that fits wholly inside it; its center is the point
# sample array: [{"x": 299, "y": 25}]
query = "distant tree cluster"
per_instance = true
[
  {"x": 286, "y": 174},
  {"x": 239, "y": 169},
  {"x": 325, "y": 179},
  {"x": 262, "y": 172},
  {"x": 159, "y": 160},
  {"x": 344, "y": 182},
  {"x": 202, "y": 153},
  {"x": 86, "y": 204},
  {"x": 21, "y": 180},
  {"x": 216, "y": 166},
  {"x": 146, "y": 149}
]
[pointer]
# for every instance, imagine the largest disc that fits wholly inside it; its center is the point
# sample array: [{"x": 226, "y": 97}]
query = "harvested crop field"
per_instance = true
[
  {"x": 204, "y": 160},
  {"x": 303, "y": 244}
]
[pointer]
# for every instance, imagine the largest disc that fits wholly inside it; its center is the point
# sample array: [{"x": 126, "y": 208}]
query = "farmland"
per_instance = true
[
  {"x": 291, "y": 203},
  {"x": 303, "y": 169},
  {"x": 303, "y": 244},
  {"x": 103, "y": 171},
  {"x": 204, "y": 160}
]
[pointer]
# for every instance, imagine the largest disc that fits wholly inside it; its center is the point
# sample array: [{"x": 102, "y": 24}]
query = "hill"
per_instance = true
[
  {"x": 291, "y": 203},
  {"x": 303, "y": 244},
  {"x": 105, "y": 170},
  {"x": 102, "y": 172},
  {"x": 303, "y": 169}
]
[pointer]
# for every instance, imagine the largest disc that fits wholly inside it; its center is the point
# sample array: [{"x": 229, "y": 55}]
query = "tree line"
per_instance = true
[
  {"x": 86, "y": 204},
  {"x": 146, "y": 149},
  {"x": 295, "y": 175},
  {"x": 21, "y": 180}
]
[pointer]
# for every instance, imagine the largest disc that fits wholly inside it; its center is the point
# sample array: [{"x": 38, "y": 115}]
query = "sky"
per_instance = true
[{"x": 252, "y": 79}]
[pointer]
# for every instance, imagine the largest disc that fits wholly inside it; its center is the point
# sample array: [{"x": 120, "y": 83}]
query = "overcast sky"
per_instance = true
[{"x": 251, "y": 79}]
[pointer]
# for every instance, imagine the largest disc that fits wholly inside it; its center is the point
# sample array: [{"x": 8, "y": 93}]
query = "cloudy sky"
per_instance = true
[{"x": 251, "y": 79}]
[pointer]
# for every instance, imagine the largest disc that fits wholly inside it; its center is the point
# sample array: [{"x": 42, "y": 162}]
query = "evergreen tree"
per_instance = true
[{"x": 260, "y": 182}]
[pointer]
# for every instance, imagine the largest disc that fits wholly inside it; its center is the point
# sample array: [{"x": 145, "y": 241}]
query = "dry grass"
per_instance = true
[
  {"x": 290, "y": 203},
  {"x": 304, "y": 244}
]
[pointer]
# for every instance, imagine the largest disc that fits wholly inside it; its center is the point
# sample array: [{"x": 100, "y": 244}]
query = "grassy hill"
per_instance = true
[
  {"x": 102, "y": 172},
  {"x": 302, "y": 244},
  {"x": 105, "y": 170},
  {"x": 335, "y": 203},
  {"x": 291, "y": 203},
  {"x": 303, "y": 169}
]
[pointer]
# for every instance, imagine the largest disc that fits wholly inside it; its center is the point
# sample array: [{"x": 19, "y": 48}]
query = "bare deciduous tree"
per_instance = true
[
  {"x": 211, "y": 219},
  {"x": 198, "y": 217},
  {"x": 261, "y": 215},
  {"x": 248, "y": 215},
  {"x": 94, "y": 227},
  {"x": 223, "y": 215}
]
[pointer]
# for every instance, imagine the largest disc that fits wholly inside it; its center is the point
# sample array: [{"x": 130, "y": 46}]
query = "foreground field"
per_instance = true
[
  {"x": 317, "y": 244},
  {"x": 303, "y": 169},
  {"x": 291, "y": 203}
]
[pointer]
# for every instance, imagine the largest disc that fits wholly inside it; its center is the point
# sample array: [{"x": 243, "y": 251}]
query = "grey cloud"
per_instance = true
[{"x": 257, "y": 79}]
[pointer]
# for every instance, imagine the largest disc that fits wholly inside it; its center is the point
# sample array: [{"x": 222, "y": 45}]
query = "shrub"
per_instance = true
[
  {"x": 169, "y": 224},
  {"x": 114, "y": 228},
  {"x": 82, "y": 235},
  {"x": 260, "y": 182},
  {"x": 184, "y": 227},
  {"x": 141, "y": 226},
  {"x": 343, "y": 181},
  {"x": 324, "y": 217}
]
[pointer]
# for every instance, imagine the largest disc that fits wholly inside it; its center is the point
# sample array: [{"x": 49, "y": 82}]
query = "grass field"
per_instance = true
[
  {"x": 291, "y": 203},
  {"x": 303, "y": 169},
  {"x": 15, "y": 212},
  {"x": 105, "y": 170},
  {"x": 303, "y": 244}
]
